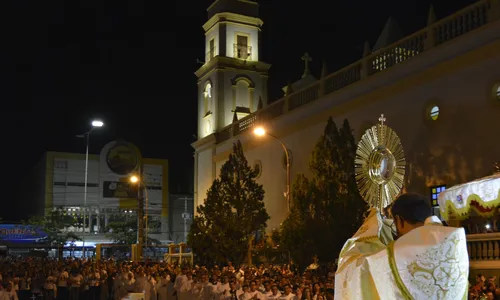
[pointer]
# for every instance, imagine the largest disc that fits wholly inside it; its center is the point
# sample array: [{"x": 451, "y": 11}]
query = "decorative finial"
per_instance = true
[
  {"x": 382, "y": 119},
  {"x": 307, "y": 59}
]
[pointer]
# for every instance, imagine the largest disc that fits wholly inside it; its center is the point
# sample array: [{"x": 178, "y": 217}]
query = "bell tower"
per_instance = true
[{"x": 232, "y": 80}]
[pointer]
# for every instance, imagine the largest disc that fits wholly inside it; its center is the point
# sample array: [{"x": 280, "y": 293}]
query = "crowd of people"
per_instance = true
[
  {"x": 81, "y": 279},
  {"x": 484, "y": 289}
]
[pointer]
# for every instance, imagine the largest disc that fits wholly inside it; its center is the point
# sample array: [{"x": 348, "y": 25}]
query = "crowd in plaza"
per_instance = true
[
  {"x": 80, "y": 279},
  {"x": 484, "y": 289}
]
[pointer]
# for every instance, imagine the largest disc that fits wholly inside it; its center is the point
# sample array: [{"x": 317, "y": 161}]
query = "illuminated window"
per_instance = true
[
  {"x": 435, "y": 191},
  {"x": 207, "y": 95},
  {"x": 498, "y": 92},
  {"x": 60, "y": 164},
  {"x": 434, "y": 113}
]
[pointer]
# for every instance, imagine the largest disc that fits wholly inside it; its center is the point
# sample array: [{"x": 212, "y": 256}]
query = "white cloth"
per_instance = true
[
  {"x": 429, "y": 262},
  {"x": 485, "y": 191}
]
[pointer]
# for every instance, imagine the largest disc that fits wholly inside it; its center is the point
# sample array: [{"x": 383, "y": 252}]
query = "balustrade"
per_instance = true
[
  {"x": 464, "y": 21},
  {"x": 242, "y": 51},
  {"x": 210, "y": 55}
]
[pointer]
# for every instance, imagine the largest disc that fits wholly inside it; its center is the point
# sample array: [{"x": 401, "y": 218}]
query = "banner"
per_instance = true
[
  {"x": 21, "y": 233},
  {"x": 119, "y": 189}
]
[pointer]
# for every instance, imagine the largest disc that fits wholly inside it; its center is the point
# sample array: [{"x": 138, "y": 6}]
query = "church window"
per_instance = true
[
  {"x": 242, "y": 94},
  {"x": 208, "y": 127},
  {"x": 241, "y": 48},
  {"x": 434, "y": 113},
  {"x": 211, "y": 50},
  {"x": 207, "y": 95},
  {"x": 435, "y": 191}
]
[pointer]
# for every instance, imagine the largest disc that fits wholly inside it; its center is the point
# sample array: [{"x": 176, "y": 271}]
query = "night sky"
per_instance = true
[{"x": 131, "y": 63}]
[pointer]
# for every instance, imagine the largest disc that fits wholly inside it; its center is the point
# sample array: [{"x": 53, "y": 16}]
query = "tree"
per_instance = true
[
  {"x": 232, "y": 213},
  {"x": 122, "y": 229},
  {"x": 55, "y": 225},
  {"x": 327, "y": 208}
]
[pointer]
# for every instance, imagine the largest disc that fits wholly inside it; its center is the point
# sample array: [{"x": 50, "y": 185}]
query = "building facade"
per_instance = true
[
  {"x": 438, "y": 88},
  {"x": 110, "y": 192}
]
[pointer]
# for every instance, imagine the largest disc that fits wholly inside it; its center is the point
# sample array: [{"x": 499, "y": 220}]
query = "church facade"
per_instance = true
[{"x": 438, "y": 88}]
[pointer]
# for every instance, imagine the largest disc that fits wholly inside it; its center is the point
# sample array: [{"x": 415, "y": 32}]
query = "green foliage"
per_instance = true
[
  {"x": 55, "y": 224},
  {"x": 232, "y": 212},
  {"x": 327, "y": 208},
  {"x": 122, "y": 229}
]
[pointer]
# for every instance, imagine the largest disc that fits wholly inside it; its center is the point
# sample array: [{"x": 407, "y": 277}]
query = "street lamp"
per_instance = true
[
  {"x": 260, "y": 131},
  {"x": 142, "y": 234},
  {"x": 86, "y": 136}
]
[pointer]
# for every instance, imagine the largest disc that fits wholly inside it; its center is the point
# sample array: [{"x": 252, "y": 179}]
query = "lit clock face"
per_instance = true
[{"x": 208, "y": 127}]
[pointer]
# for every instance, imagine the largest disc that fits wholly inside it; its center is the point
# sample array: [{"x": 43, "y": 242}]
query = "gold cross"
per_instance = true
[{"x": 382, "y": 119}]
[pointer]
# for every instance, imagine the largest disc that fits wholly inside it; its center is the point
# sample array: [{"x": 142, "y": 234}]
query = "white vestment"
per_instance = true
[{"x": 429, "y": 262}]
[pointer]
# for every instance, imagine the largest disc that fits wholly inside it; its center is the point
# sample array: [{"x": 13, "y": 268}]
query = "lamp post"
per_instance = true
[
  {"x": 260, "y": 131},
  {"x": 142, "y": 221},
  {"x": 86, "y": 136}
]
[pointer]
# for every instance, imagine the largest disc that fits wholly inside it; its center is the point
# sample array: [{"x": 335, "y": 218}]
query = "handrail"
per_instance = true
[{"x": 365, "y": 67}]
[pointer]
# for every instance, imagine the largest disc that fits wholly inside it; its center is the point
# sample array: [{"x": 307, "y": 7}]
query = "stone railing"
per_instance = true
[
  {"x": 484, "y": 250},
  {"x": 210, "y": 55},
  {"x": 434, "y": 35}
]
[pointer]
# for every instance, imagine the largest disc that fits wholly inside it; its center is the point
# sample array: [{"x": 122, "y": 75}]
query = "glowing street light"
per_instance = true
[
  {"x": 134, "y": 179},
  {"x": 97, "y": 123},
  {"x": 260, "y": 131},
  {"x": 143, "y": 224},
  {"x": 86, "y": 136}
]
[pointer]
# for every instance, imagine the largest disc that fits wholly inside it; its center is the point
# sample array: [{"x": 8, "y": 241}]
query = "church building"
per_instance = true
[{"x": 439, "y": 90}]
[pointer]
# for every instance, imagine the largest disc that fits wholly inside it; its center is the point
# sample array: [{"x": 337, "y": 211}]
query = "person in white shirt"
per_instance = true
[
  {"x": 223, "y": 287},
  {"x": 164, "y": 286},
  {"x": 182, "y": 286},
  {"x": 253, "y": 292},
  {"x": 288, "y": 295},
  {"x": 275, "y": 293},
  {"x": 7, "y": 292},
  {"x": 75, "y": 282},
  {"x": 207, "y": 289},
  {"x": 62, "y": 284},
  {"x": 50, "y": 288},
  {"x": 94, "y": 281}
]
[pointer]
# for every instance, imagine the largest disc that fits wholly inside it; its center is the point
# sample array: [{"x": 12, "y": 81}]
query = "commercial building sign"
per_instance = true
[
  {"x": 21, "y": 233},
  {"x": 122, "y": 158},
  {"x": 118, "y": 189}
]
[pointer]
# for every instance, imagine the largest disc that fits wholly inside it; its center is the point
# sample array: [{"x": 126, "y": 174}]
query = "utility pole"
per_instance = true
[
  {"x": 186, "y": 216},
  {"x": 140, "y": 218}
]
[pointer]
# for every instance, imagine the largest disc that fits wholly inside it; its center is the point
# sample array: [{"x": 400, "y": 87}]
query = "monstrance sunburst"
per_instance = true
[{"x": 380, "y": 165}]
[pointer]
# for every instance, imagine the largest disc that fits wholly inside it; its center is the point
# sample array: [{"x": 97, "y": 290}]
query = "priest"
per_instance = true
[{"x": 409, "y": 255}]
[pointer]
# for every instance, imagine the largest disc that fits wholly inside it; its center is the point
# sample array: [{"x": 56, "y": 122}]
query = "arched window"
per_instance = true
[
  {"x": 207, "y": 95},
  {"x": 242, "y": 94}
]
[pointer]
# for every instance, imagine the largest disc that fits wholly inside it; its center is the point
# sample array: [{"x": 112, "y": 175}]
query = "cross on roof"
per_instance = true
[
  {"x": 307, "y": 59},
  {"x": 33, "y": 297},
  {"x": 382, "y": 119}
]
